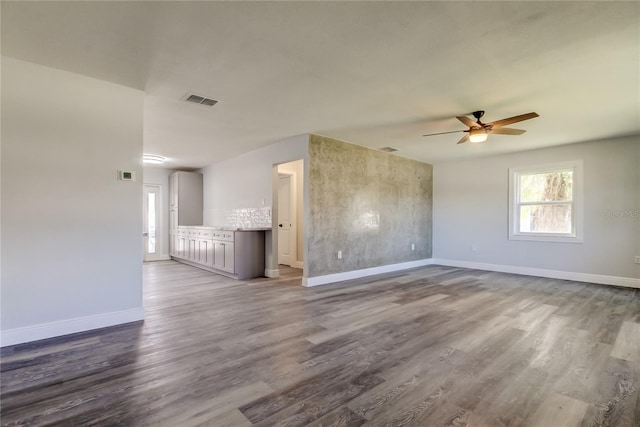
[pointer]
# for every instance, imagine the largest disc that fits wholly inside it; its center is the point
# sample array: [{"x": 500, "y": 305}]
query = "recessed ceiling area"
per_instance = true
[{"x": 372, "y": 73}]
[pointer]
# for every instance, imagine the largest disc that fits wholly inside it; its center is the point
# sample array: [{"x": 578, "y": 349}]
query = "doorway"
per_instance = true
[
  {"x": 151, "y": 222},
  {"x": 288, "y": 211}
]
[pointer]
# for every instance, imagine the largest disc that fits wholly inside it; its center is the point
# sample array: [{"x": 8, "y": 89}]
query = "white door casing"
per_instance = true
[
  {"x": 151, "y": 224},
  {"x": 286, "y": 222}
]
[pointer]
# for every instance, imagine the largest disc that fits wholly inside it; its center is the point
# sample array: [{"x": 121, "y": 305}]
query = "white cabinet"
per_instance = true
[
  {"x": 172, "y": 244},
  {"x": 185, "y": 198},
  {"x": 195, "y": 244},
  {"x": 181, "y": 247},
  {"x": 185, "y": 207},
  {"x": 229, "y": 257},
  {"x": 193, "y": 249},
  {"x": 218, "y": 255},
  {"x": 237, "y": 254},
  {"x": 224, "y": 254},
  {"x": 205, "y": 246},
  {"x": 205, "y": 252}
]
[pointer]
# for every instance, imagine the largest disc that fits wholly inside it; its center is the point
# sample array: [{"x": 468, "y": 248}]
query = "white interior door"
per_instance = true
[
  {"x": 285, "y": 214},
  {"x": 151, "y": 226}
]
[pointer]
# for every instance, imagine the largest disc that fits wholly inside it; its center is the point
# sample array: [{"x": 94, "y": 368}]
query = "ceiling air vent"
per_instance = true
[
  {"x": 388, "y": 149},
  {"x": 197, "y": 99}
]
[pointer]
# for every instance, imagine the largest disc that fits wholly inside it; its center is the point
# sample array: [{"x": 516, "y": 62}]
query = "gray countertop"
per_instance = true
[{"x": 231, "y": 228}]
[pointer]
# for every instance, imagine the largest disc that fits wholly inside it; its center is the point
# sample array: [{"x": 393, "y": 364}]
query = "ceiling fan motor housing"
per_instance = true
[{"x": 478, "y": 114}]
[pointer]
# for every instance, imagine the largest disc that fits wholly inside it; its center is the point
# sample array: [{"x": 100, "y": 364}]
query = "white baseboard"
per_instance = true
[
  {"x": 272, "y": 273},
  {"x": 158, "y": 257},
  {"x": 628, "y": 282},
  {"x": 356, "y": 274},
  {"x": 69, "y": 326}
]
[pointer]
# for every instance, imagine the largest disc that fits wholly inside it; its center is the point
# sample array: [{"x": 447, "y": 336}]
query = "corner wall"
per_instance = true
[
  {"x": 471, "y": 208},
  {"x": 71, "y": 232},
  {"x": 368, "y": 204}
]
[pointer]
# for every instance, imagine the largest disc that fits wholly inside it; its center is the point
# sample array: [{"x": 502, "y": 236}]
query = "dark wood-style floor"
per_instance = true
[{"x": 427, "y": 347}]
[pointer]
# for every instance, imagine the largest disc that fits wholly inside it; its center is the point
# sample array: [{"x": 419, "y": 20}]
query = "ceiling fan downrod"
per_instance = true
[{"x": 478, "y": 114}]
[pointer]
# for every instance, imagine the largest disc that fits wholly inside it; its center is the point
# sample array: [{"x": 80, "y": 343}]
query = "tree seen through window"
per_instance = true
[{"x": 546, "y": 202}]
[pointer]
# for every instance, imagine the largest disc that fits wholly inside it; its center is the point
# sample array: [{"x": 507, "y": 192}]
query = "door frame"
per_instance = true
[
  {"x": 271, "y": 241},
  {"x": 293, "y": 237},
  {"x": 159, "y": 222}
]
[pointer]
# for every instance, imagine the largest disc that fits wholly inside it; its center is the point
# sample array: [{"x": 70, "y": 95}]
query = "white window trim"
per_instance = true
[{"x": 577, "y": 234}]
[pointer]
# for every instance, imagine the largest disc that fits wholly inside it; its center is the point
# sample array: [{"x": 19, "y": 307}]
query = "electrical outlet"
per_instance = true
[
  {"x": 637, "y": 260},
  {"x": 413, "y": 246},
  {"x": 474, "y": 248},
  {"x": 339, "y": 254}
]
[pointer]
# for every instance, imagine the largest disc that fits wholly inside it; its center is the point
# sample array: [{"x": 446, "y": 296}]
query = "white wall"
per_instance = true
[
  {"x": 71, "y": 232},
  {"x": 297, "y": 170},
  {"x": 247, "y": 181},
  {"x": 160, "y": 176},
  {"x": 470, "y": 207}
]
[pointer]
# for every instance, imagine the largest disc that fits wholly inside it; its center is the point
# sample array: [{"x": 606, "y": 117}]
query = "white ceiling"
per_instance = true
[{"x": 370, "y": 73}]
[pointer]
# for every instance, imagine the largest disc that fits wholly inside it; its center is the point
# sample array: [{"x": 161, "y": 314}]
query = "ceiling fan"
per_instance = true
[{"x": 478, "y": 131}]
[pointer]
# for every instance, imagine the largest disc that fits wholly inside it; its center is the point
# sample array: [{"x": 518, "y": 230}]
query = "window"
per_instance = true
[{"x": 545, "y": 202}]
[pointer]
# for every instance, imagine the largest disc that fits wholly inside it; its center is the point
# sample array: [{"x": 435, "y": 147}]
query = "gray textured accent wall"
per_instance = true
[{"x": 369, "y": 204}]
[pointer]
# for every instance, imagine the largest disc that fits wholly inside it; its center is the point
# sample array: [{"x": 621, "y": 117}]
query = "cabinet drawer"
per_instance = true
[
  {"x": 205, "y": 234},
  {"x": 183, "y": 231},
  {"x": 225, "y": 236},
  {"x": 193, "y": 232}
]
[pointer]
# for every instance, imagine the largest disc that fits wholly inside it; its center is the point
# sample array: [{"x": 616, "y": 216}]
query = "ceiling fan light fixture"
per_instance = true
[
  {"x": 478, "y": 135},
  {"x": 153, "y": 159},
  {"x": 479, "y": 131}
]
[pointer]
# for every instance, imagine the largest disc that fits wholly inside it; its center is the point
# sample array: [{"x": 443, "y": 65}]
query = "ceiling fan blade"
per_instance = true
[
  {"x": 514, "y": 119},
  {"x": 442, "y": 133},
  {"x": 468, "y": 122},
  {"x": 464, "y": 139},
  {"x": 507, "y": 131}
]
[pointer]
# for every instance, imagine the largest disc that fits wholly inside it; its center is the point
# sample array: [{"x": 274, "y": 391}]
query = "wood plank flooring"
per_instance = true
[{"x": 434, "y": 346}]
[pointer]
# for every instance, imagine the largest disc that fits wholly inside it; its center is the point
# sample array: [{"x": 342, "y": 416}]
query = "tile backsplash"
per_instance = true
[{"x": 242, "y": 217}]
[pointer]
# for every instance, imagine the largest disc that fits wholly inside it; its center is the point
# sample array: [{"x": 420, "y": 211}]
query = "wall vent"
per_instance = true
[
  {"x": 388, "y": 149},
  {"x": 202, "y": 100}
]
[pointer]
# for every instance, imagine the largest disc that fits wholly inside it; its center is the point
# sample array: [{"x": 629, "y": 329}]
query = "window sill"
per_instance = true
[{"x": 554, "y": 239}]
